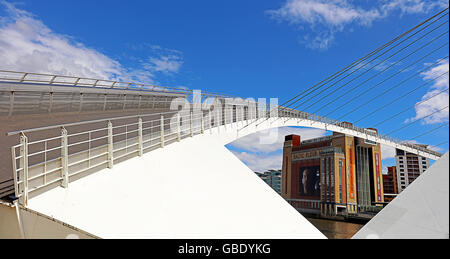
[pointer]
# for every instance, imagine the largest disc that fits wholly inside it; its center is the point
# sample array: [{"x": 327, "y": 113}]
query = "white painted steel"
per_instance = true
[
  {"x": 136, "y": 145},
  {"x": 64, "y": 159},
  {"x": 420, "y": 211},
  {"x": 207, "y": 193}
]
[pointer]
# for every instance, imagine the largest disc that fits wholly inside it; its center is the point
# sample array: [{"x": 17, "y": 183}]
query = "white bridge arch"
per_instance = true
[
  {"x": 195, "y": 188},
  {"x": 81, "y": 169},
  {"x": 136, "y": 135}
]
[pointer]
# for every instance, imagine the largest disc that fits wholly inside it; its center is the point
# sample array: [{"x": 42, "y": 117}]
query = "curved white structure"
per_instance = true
[
  {"x": 192, "y": 189},
  {"x": 195, "y": 188},
  {"x": 420, "y": 211},
  {"x": 184, "y": 184}
]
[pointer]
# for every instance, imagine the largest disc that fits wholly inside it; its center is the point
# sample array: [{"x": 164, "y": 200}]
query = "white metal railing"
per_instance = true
[
  {"x": 51, "y": 79},
  {"x": 289, "y": 113},
  {"x": 49, "y": 162}
]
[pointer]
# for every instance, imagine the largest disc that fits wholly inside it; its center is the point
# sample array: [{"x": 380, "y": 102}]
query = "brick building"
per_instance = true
[
  {"x": 332, "y": 175},
  {"x": 390, "y": 184}
]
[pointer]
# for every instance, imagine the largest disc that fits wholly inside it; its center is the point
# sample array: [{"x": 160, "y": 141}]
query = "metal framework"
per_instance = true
[
  {"x": 55, "y": 80},
  {"x": 85, "y": 147},
  {"x": 32, "y": 93},
  {"x": 47, "y": 163}
]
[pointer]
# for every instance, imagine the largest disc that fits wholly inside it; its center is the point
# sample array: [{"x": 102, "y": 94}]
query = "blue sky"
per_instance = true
[{"x": 244, "y": 48}]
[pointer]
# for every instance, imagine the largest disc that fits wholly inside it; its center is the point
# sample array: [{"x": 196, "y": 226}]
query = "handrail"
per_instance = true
[
  {"x": 113, "y": 84},
  {"x": 11, "y": 133},
  {"x": 53, "y": 77},
  {"x": 120, "y": 141},
  {"x": 362, "y": 130}
]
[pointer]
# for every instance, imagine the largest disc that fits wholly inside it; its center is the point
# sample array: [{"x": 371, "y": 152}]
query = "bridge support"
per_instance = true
[
  {"x": 191, "y": 124},
  {"x": 140, "y": 140},
  {"x": 218, "y": 120},
  {"x": 24, "y": 165},
  {"x": 210, "y": 122},
  {"x": 162, "y": 130},
  {"x": 225, "y": 117},
  {"x": 110, "y": 146},
  {"x": 178, "y": 128},
  {"x": 64, "y": 158},
  {"x": 202, "y": 125}
]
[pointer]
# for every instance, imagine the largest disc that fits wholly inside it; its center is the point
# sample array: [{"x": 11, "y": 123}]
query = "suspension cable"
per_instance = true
[
  {"x": 377, "y": 74},
  {"x": 388, "y": 90},
  {"x": 384, "y": 60},
  {"x": 432, "y": 130},
  {"x": 411, "y": 107},
  {"x": 395, "y": 100},
  {"x": 286, "y": 104},
  {"x": 370, "y": 54},
  {"x": 440, "y": 144},
  {"x": 412, "y": 122}
]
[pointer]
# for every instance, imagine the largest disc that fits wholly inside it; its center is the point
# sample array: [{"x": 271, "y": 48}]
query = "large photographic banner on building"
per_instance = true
[
  {"x": 378, "y": 178},
  {"x": 309, "y": 181},
  {"x": 351, "y": 177}
]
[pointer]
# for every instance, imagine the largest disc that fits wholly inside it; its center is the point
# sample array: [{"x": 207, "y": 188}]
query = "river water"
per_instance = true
[{"x": 333, "y": 229}]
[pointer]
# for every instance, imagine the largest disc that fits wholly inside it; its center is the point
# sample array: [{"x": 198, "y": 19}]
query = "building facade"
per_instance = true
[
  {"x": 390, "y": 184},
  {"x": 272, "y": 178},
  {"x": 333, "y": 175},
  {"x": 409, "y": 167}
]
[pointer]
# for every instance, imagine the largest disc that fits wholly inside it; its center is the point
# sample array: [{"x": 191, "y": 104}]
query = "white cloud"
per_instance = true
[
  {"x": 387, "y": 152},
  {"x": 258, "y": 162},
  {"x": 413, "y": 6},
  {"x": 261, "y": 157},
  {"x": 435, "y": 104},
  {"x": 28, "y": 45},
  {"x": 327, "y": 17},
  {"x": 435, "y": 148},
  {"x": 333, "y": 13},
  {"x": 384, "y": 170},
  {"x": 252, "y": 142},
  {"x": 166, "y": 64}
]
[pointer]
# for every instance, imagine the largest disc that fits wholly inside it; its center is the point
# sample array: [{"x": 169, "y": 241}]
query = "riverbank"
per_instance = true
[{"x": 334, "y": 229}]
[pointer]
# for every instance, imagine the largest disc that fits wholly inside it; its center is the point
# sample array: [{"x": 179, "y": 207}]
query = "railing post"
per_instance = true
[
  {"x": 14, "y": 167},
  {"x": 238, "y": 114},
  {"x": 24, "y": 165},
  {"x": 162, "y": 130},
  {"x": 217, "y": 121},
  {"x": 64, "y": 158},
  {"x": 178, "y": 128},
  {"x": 248, "y": 112},
  {"x": 225, "y": 116},
  {"x": 140, "y": 140},
  {"x": 202, "y": 126},
  {"x": 110, "y": 146},
  {"x": 210, "y": 122},
  {"x": 192, "y": 130}
]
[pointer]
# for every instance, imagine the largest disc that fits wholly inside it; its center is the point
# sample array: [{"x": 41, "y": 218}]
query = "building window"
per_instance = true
[{"x": 340, "y": 180}]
